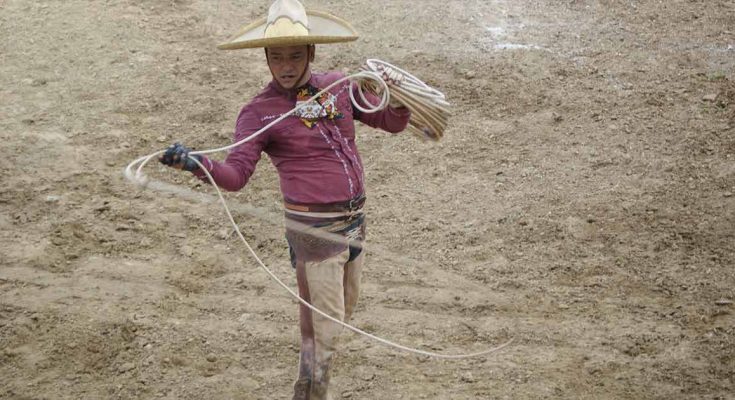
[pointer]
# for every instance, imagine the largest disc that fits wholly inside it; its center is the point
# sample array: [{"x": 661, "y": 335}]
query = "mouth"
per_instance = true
[{"x": 288, "y": 77}]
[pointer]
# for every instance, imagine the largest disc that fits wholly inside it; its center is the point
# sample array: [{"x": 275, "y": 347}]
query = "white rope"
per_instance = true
[{"x": 139, "y": 178}]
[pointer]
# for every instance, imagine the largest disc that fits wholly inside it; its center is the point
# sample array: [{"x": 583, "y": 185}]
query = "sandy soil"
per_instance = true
[{"x": 582, "y": 203}]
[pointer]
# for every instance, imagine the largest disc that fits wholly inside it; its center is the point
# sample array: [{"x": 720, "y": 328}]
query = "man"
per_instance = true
[{"x": 321, "y": 173}]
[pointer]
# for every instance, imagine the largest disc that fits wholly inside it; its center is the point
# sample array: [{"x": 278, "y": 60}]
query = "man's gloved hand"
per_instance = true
[
  {"x": 177, "y": 156},
  {"x": 390, "y": 77},
  {"x": 394, "y": 78}
]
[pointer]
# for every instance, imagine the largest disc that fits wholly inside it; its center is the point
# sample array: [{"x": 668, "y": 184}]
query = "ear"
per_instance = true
[{"x": 312, "y": 52}]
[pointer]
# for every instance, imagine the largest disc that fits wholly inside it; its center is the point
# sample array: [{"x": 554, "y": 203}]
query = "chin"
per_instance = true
[{"x": 287, "y": 86}]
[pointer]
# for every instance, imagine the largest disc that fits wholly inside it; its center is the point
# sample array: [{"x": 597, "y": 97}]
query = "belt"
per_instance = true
[{"x": 350, "y": 206}]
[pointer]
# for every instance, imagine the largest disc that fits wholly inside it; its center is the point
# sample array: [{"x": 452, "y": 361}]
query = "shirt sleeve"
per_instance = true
[
  {"x": 389, "y": 119},
  {"x": 235, "y": 172}
]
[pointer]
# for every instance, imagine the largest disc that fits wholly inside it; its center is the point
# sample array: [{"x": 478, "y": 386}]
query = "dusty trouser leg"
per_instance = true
[
  {"x": 320, "y": 283},
  {"x": 353, "y": 271}
]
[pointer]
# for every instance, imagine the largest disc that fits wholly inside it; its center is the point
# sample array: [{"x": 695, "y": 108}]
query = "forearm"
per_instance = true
[
  {"x": 228, "y": 175},
  {"x": 390, "y": 119}
]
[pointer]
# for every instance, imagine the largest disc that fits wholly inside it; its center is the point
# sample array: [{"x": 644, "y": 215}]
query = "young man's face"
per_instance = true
[{"x": 287, "y": 65}]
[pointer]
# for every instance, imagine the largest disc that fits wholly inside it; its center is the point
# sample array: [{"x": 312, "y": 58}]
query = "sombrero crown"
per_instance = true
[{"x": 290, "y": 24}]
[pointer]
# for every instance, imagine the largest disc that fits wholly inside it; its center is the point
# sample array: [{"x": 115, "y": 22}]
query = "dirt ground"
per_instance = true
[{"x": 582, "y": 202}]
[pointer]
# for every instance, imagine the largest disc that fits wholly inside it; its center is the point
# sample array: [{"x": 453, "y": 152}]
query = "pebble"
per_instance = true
[
  {"x": 467, "y": 377},
  {"x": 368, "y": 376},
  {"x": 34, "y": 82},
  {"x": 727, "y": 194},
  {"x": 187, "y": 251},
  {"x": 123, "y": 227},
  {"x": 211, "y": 358},
  {"x": 52, "y": 199},
  {"x": 710, "y": 97},
  {"x": 126, "y": 367},
  {"x": 224, "y": 233},
  {"x": 723, "y": 302}
]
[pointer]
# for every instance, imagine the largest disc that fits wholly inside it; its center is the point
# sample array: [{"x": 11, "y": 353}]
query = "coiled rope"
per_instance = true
[
  {"x": 415, "y": 88},
  {"x": 429, "y": 108}
]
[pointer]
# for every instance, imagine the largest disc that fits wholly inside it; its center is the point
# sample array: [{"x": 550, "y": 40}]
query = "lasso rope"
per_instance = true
[
  {"x": 416, "y": 88},
  {"x": 429, "y": 109}
]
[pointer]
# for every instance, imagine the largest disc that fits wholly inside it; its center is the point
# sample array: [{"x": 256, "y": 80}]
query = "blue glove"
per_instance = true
[{"x": 177, "y": 156}]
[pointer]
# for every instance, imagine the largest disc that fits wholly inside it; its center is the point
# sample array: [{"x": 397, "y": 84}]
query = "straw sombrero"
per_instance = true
[{"x": 289, "y": 24}]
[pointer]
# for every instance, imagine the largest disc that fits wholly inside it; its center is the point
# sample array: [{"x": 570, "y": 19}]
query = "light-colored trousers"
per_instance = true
[{"x": 333, "y": 286}]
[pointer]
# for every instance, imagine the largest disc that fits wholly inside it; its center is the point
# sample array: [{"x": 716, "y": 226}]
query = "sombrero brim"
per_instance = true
[{"x": 323, "y": 28}]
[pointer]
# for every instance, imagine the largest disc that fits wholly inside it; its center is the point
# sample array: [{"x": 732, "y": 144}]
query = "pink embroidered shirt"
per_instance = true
[{"x": 316, "y": 159}]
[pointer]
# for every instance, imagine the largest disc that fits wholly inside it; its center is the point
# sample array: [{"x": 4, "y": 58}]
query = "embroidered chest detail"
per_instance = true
[{"x": 325, "y": 106}]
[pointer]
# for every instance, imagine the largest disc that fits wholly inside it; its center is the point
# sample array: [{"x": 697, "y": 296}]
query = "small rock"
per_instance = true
[
  {"x": 368, "y": 376},
  {"x": 347, "y": 394},
  {"x": 162, "y": 139},
  {"x": 126, "y": 367},
  {"x": 470, "y": 75},
  {"x": 727, "y": 194},
  {"x": 710, "y": 97},
  {"x": 52, "y": 199},
  {"x": 104, "y": 207},
  {"x": 224, "y": 233},
  {"x": 723, "y": 302},
  {"x": 467, "y": 377},
  {"x": 211, "y": 358},
  {"x": 187, "y": 251}
]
